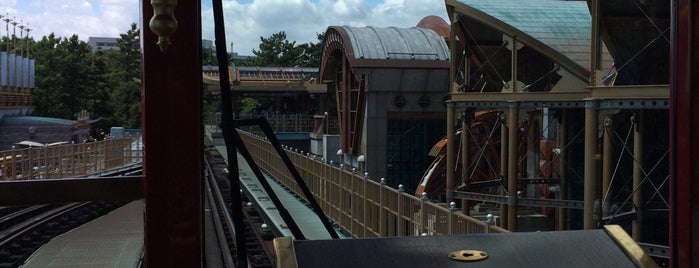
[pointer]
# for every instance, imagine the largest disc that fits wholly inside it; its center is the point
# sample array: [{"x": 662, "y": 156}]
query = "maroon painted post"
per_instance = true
[
  {"x": 684, "y": 187},
  {"x": 172, "y": 133}
]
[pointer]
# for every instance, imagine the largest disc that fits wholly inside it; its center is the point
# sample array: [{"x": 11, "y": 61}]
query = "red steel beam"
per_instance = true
[
  {"x": 172, "y": 133},
  {"x": 684, "y": 187}
]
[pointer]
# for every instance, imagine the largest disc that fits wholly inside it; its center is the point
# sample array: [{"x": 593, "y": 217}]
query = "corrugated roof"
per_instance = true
[
  {"x": 397, "y": 43},
  {"x": 565, "y": 26}
]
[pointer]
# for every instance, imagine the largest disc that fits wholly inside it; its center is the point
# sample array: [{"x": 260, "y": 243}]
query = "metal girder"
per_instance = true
[
  {"x": 70, "y": 190},
  {"x": 539, "y": 180},
  {"x": 579, "y": 104},
  {"x": 534, "y": 202},
  {"x": 657, "y": 251}
]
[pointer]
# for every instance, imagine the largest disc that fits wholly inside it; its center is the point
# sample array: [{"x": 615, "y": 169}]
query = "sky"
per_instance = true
[{"x": 246, "y": 20}]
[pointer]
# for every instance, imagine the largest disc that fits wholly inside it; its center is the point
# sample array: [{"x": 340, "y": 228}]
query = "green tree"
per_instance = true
[
  {"x": 125, "y": 76},
  {"x": 311, "y": 52},
  {"x": 62, "y": 76},
  {"x": 277, "y": 51}
]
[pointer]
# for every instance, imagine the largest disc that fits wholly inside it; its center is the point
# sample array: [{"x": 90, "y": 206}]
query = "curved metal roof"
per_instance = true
[
  {"x": 16, "y": 120},
  {"x": 397, "y": 43},
  {"x": 560, "y": 29}
]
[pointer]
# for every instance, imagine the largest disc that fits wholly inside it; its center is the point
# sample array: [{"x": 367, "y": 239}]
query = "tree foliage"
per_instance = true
[
  {"x": 70, "y": 77},
  {"x": 277, "y": 51}
]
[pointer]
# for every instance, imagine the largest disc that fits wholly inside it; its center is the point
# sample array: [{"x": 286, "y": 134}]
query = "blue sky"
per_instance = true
[{"x": 246, "y": 20}]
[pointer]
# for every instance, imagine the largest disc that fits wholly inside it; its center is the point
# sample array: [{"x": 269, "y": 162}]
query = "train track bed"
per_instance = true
[
  {"x": 24, "y": 231},
  {"x": 258, "y": 240}
]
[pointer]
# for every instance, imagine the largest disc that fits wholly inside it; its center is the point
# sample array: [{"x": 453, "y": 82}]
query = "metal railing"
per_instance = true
[
  {"x": 362, "y": 206},
  {"x": 294, "y": 123},
  {"x": 68, "y": 160}
]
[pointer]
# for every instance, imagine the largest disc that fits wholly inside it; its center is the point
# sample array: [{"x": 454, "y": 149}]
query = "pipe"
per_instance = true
[
  {"x": 451, "y": 151},
  {"x": 503, "y": 166},
  {"x": 636, "y": 227},
  {"x": 563, "y": 192},
  {"x": 606, "y": 164},
  {"x": 590, "y": 165},
  {"x": 465, "y": 157},
  {"x": 512, "y": 161}
]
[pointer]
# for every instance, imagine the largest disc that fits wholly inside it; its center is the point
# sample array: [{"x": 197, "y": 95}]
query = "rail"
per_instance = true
[
  {"x": 361, "y": 206},
  {"x": 68, "y": 160}
]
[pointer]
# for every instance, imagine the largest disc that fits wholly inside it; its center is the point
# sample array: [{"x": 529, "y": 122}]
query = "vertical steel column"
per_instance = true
[
  {"x": 513, "y": 65},
  {"x": 636, "y": 228},
  {"x": 465, "y": 138},
  {"x": 451, "y": 151},
  {"x": 512, "y": 161},
  {"x": 590, "y": 166},
  {"x": 606, "y": 164},
  {"x": 563, "y": 192},
  {"x": 172, "y": 128},
  {"x": 504, "y": 143},
  {"x": 595, "y": 48},
  {"x": 451, "y": 131}
]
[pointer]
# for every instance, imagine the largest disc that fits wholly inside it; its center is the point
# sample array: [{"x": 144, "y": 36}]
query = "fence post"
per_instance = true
[
  {"x": 450, "y": 222},
  {"x": 399, "y": 207},
  {"x": 423, "y": 213},
  {"x": 365, "y": 204},
  {"x": 382, "y": 211},
  {"x": 490, "y": 220}
]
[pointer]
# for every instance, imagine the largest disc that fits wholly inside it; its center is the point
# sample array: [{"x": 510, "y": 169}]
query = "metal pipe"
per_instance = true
[
  {"x": 451, "y": 151},
  {"x": 563, "y": 192},
  {"x": 590, "y": 165},
  {"x": 512, "y": 161},
  {"x": 636, "y": 228},
  {"x": 503, "y": 166},
  {"x": 606, "y": 164}
]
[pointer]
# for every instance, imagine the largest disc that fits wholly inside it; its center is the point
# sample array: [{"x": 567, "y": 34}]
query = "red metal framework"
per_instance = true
[{"x": 684, "y": 122}]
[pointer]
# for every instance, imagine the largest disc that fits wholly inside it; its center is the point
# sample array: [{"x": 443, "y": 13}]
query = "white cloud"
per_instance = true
[
  {"x": 302, "y": 19},
  {"x": 246, "y": 21}
]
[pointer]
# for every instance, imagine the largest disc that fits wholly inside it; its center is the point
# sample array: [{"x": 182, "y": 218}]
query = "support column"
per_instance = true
[
  {"x": 451, "y": 152},
  {"x": 172, "y": 179},
  {"x": 504, "y": 142},
  {"x": 562, "y": 141},
  {"x": 512, "y": 161},
  {"x": 607, "y": 161},
  {"x": 636, "y": 228},
  {"x": 465, "y": 157},
  {"x": 590, "y": 166}
]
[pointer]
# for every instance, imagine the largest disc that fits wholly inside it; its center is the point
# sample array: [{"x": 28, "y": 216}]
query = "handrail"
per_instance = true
[
  {"x": 68, "y": 160},
  {"x": 362, "y": 206}
]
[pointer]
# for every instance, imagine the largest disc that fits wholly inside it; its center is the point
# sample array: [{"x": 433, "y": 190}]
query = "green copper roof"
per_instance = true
[{"x": 563, "y": 26}]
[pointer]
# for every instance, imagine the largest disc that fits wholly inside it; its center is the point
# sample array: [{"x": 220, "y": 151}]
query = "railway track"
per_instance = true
[
  {"x": 258, "y": 240},
  {"x": 23, "y": 229},
  {"x": 26, "y": 230}
]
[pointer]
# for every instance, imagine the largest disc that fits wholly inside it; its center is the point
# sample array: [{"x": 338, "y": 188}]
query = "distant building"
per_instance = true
[
  {"x": 208, "y": 46},
  {"x": 105, "y": 43}
]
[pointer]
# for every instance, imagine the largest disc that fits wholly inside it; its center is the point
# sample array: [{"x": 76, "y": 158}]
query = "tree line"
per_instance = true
[{"x": 70, "y": 76}]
